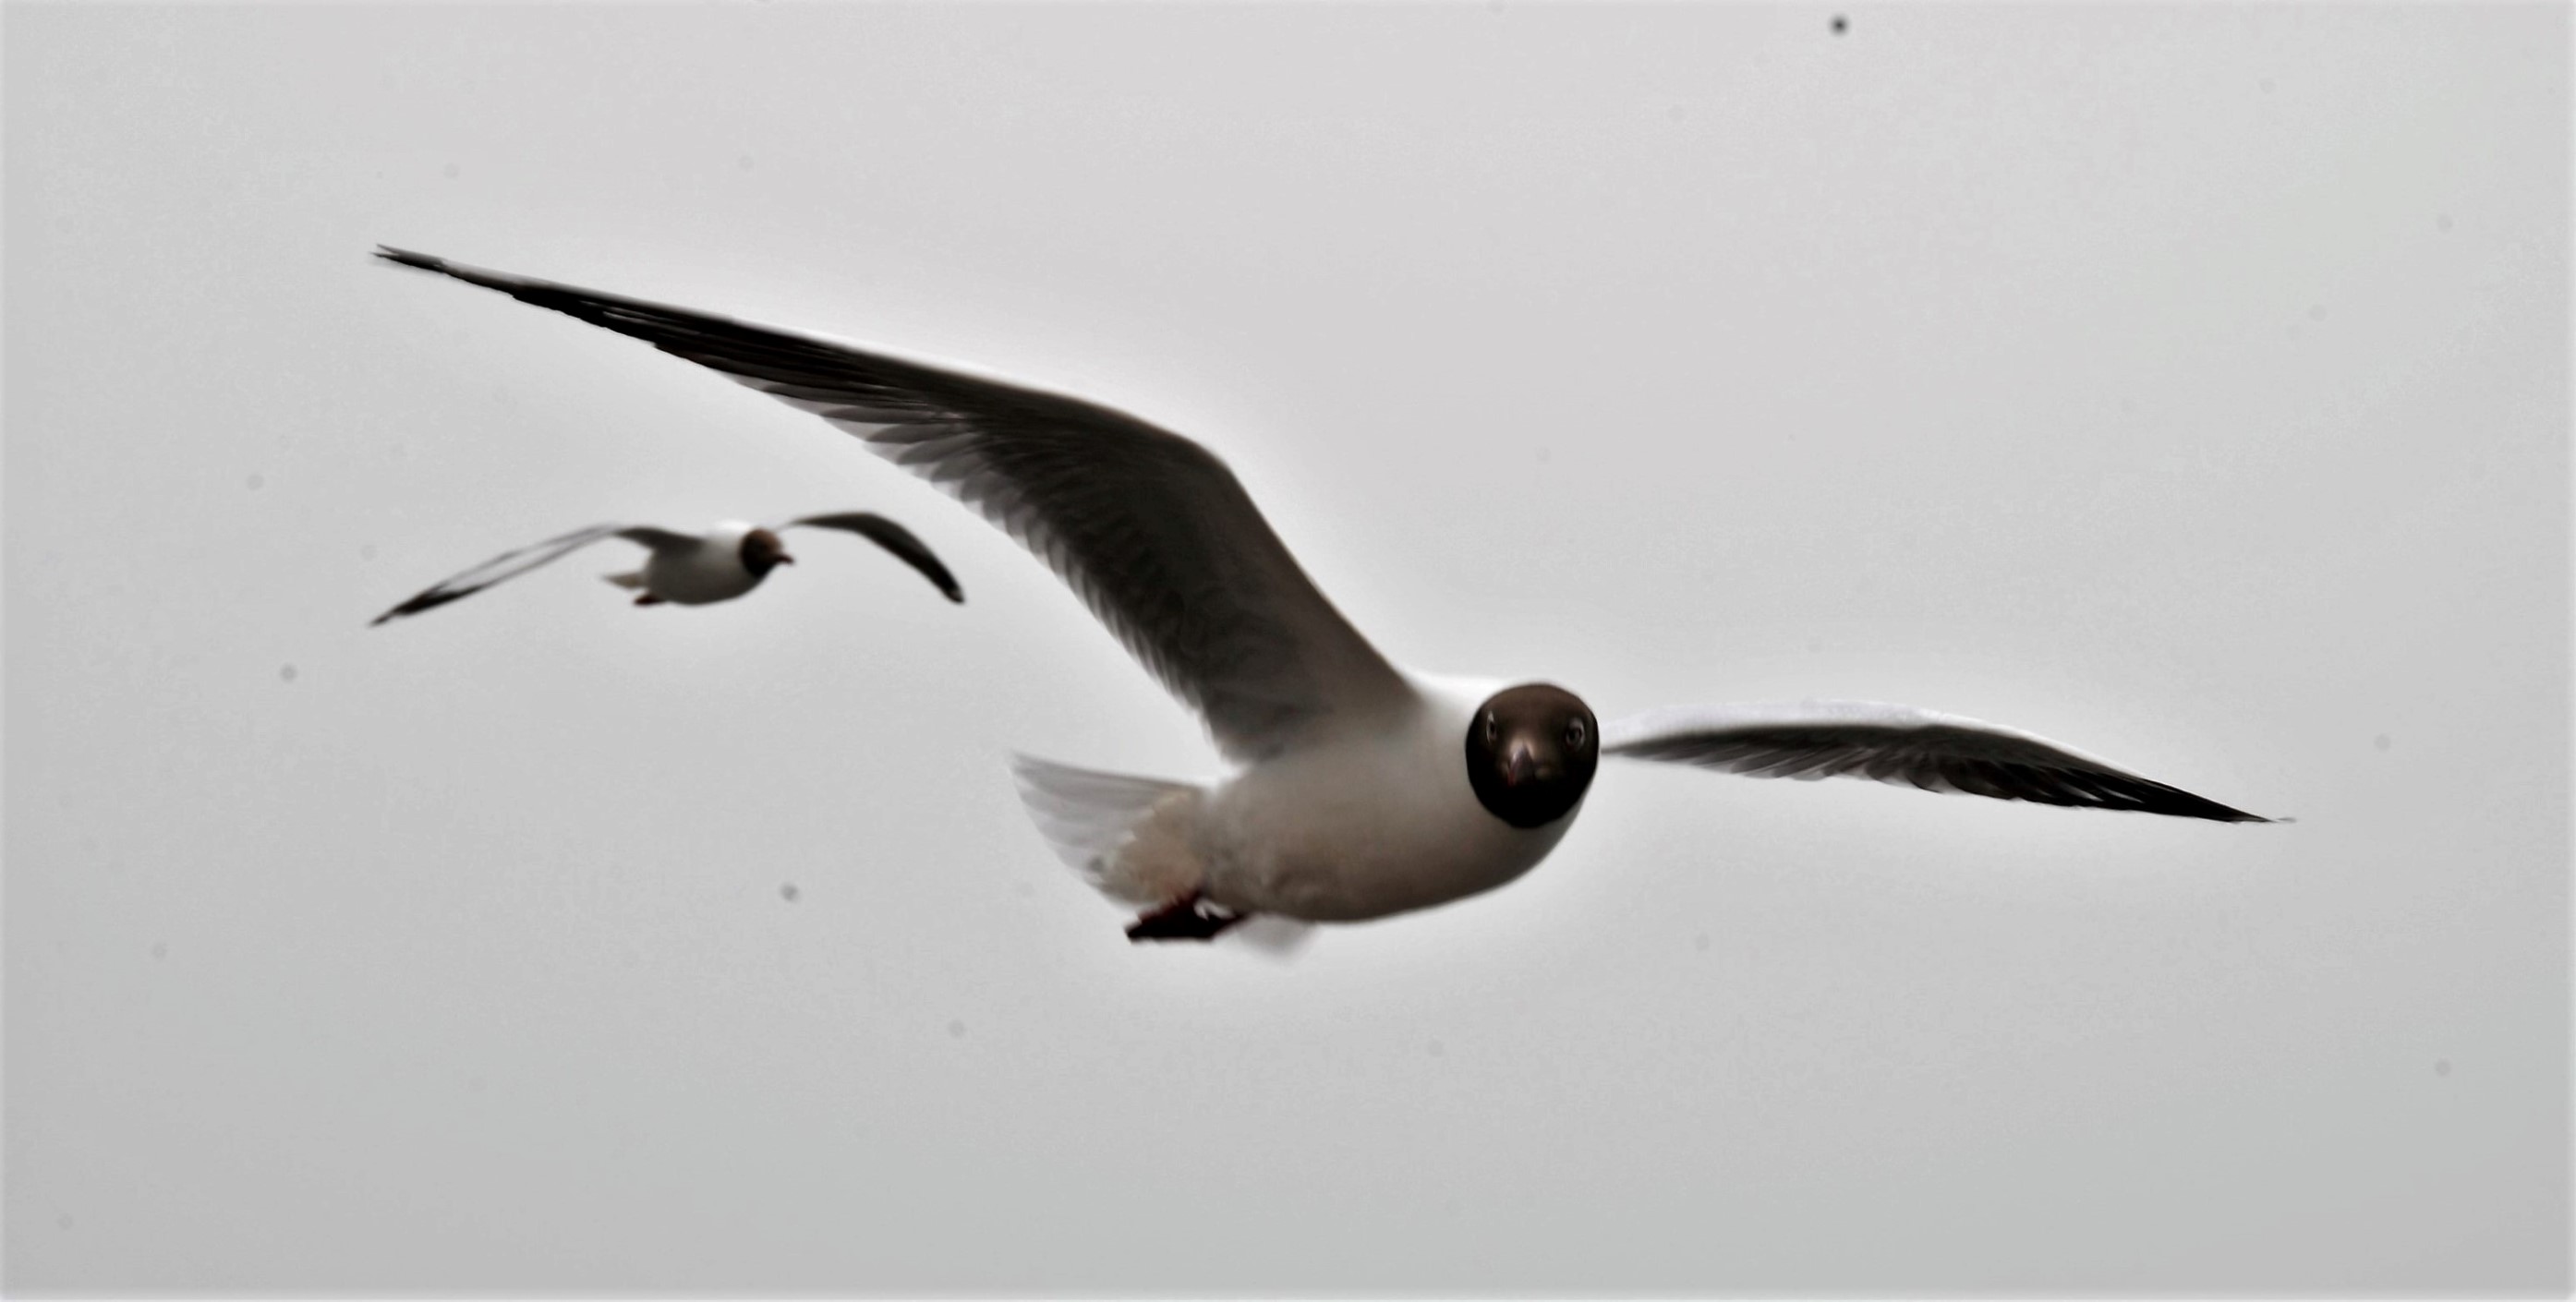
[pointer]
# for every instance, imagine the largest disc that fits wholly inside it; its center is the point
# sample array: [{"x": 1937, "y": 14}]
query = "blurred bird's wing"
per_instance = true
[
  {"x": 891, "y": 536},
  {"x": 512, "y": 564},
  {"x": 1896, "y": 744},
  {"x": 1148, "y": 528}
]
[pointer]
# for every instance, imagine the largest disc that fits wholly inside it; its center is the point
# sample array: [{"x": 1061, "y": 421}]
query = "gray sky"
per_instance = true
[{"x": 2186, "y": 383}]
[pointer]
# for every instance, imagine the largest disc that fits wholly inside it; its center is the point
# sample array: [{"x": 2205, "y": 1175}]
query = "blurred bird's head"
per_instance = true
[{"x": 763, "y": 552}]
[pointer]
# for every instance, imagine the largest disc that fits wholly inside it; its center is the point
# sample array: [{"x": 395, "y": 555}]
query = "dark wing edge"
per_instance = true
[
  {"x": 1902, "y": 746},
  {"x": 511, "y": 564},
  {"x": 1152, "y": 532},
  {"x": 895, "y": 539}
]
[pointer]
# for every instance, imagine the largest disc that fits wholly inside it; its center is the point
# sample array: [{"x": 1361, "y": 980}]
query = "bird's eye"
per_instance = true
[
  {"x": 1574, "y": 733},
  {"x": 1491, "y": 728}
]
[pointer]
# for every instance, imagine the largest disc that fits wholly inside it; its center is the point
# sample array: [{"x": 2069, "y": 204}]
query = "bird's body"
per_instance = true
[
  {"x": 1369, "y": 823},
  {"x": 720, "y": 563},
  {"x": 1359, "y": 790},
  {"x": 1352, "y": 823},
  {"x": 710, "y": 571}
]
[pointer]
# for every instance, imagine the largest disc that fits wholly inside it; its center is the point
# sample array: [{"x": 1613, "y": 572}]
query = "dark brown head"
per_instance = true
[
  {"x": 1531, "y": 751},
  {"x": 762, "y": 552}
]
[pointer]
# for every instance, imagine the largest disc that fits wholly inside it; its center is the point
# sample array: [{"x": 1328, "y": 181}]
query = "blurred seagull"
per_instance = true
[
  {"x": 687, "y": 569},
  {"x": 1360, "y": 790}
]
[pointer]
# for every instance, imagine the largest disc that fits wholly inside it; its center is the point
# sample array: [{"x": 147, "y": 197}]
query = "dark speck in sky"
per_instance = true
[
  {"x": 957, "y": 1030},
  {"x": 254, "y": 481},
  {"x": 788, "y": 892},
  {"x": 1841, "y": 24},
  {"x": 2442, "y": 1068},
  {"x": 2381, "y": 741},
  {"x": 286, "y": 673}
]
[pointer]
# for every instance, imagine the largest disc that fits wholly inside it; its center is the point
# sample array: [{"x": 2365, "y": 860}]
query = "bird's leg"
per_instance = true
[
  {"x": 1190, "y": 917},
  {"x": 649, "y": 599}
]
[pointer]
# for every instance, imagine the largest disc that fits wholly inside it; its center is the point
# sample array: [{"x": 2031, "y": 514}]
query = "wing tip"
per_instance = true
[
  {"x": 2198, "y": 806},
  {"x": 430, "y": 600},
  {"x": 2203, "y": 807},
  {"x": 407, "y": 258}
]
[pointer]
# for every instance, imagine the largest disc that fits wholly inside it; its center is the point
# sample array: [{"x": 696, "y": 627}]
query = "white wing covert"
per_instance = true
[
  {"x": 1901, "y": 745},
  {"x": 1151, "y": 530}
]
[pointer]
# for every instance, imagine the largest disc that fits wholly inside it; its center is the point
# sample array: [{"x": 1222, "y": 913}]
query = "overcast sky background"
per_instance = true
[{"x": 2186, "y": 383}]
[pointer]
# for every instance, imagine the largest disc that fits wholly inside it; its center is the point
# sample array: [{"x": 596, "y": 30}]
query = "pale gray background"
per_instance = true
[{"x": 2187, "y": 383}]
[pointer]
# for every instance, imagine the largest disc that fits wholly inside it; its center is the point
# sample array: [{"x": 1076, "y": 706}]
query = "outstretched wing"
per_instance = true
[
  {"x": 1897, "y": 744},
  {"x": 1148, "y": 528},
  {"x": 512, "y": 564},
  {"x": 894, "y": 538}
]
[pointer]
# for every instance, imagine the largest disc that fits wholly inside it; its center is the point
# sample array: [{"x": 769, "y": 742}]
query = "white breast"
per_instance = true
[{"x": 1366, "y": 825}]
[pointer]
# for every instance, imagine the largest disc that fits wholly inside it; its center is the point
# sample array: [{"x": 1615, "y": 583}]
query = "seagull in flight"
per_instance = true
[
  {"x": 1358, "y": 789},
  {"x": 687, "y": 569}
]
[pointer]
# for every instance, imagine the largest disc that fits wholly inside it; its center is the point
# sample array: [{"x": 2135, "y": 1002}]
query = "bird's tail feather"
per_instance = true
[
  {"x": 630, "y": 579},
  {"x": 1092, "y": 820}
]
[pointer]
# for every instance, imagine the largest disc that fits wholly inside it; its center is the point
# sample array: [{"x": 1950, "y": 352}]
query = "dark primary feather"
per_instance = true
[
  {"x": 894, "y": 538},
  {"x": 512, "y": 564},
  {"x": 1901, "y": 745},
  {"x": 1148, "y": 528}
]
